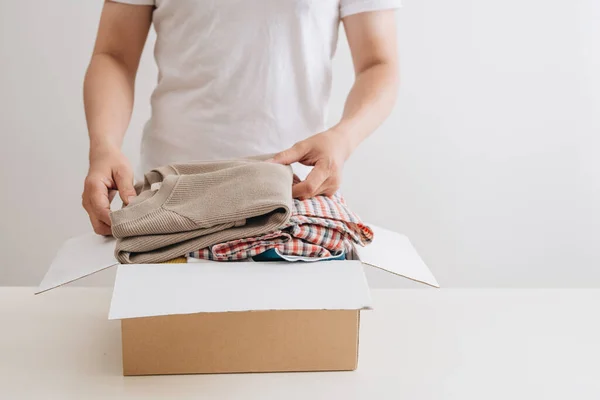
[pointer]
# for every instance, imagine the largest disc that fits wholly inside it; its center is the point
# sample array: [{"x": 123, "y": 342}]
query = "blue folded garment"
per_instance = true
[{"x": 274, "y": 255}]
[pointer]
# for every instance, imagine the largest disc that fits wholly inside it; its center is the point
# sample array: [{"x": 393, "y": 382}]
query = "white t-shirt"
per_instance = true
[{"x": 241, "y": 77}]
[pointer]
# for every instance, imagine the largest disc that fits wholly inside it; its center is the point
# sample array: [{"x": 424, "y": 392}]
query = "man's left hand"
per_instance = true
[{"x": 326, "y": 152}]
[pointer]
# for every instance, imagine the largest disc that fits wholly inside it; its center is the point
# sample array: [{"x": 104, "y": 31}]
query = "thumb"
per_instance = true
[
  {"x": 124, "y": 180},
  {"x": 293, "y": 154}
]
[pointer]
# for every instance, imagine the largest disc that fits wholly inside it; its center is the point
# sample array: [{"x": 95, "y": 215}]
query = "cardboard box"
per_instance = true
[{"x": 211, "y": 317}]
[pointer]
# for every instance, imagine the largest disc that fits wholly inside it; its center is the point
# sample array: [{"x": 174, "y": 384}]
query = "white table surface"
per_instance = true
[{"x": 417, "y": 344}]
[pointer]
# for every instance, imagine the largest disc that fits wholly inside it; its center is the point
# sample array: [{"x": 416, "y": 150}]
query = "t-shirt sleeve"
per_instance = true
[
  {"x": 137, "y": 2},
  {"x": 349, "y": 7}
]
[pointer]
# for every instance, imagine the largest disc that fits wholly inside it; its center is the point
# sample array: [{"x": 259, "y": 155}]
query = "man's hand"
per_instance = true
[
  {"x": 326, "y": 152},
  {"x": 109, "y": 172}
]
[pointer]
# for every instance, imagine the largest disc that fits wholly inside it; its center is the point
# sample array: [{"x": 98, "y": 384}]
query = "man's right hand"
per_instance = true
[{"x": 109, "y": 172}]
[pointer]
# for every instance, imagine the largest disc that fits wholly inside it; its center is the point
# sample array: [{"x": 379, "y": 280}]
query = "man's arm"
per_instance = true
[
  {"x": 372, "y": 40},
  {"x": 108, "y": 99}
]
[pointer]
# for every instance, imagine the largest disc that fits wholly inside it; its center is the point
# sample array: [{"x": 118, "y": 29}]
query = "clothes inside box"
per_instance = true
[{"x": 231, "y": 211}]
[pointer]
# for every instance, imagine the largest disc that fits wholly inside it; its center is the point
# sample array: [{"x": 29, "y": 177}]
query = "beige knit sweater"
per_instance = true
[{"x": 185, "y": 207}]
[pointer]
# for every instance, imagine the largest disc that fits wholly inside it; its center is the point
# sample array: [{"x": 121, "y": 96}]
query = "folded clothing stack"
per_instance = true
[
  {"x": 183, "y": 207},
  {"x": 322, "y": 227},
  {"x": 231, "y": 210}
]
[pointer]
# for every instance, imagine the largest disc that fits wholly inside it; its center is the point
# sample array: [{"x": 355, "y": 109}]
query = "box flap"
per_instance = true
[
  {"x": 393, "y": 252},
  {"x": 166, "y": 289},
  {"x": 79, "y": 257}
]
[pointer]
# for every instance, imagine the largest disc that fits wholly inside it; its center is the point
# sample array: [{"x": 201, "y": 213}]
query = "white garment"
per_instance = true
[{"x": 241, "y": 77}]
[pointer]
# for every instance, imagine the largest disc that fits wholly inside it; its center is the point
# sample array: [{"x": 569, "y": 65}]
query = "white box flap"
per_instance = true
[
  {"x": 79, "y": 257},
  {"x": 393, "y": 252},
  {"x": 165, "y": 289}
]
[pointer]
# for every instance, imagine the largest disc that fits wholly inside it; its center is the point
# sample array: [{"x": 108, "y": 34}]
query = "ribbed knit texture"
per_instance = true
[{"x": 201, "y": 204}]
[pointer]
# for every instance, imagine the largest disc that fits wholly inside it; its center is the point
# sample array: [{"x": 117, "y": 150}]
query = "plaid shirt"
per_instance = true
[{"x": 322, "y": 226}]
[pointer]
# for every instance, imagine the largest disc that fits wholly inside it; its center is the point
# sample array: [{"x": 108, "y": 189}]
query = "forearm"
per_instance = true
[
  {"x": 108, "y": 100},
  {"x": 369, "y": 102}
]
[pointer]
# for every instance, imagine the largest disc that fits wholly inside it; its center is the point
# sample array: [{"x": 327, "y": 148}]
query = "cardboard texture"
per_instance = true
[
  {"x": 211, "y": 317},
  {"x": 251, "y": 341}
]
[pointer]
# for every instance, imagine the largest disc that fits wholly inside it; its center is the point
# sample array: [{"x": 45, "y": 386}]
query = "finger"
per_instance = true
[
  {"x": 111, "y": 195},
  {"x": 124, "y": 179},
  {"x": 293, "y": 154},
  {"x": 100, "y": 227},
  {"x": 97, "y": 202},
  {"x": 310, "y": 186},
  {"x": 329, "y": 187},
  {"x": 328, "y": 191}
]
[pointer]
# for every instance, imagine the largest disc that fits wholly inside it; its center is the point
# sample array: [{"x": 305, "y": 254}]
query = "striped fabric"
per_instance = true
[{"x": 319, "y": 227}]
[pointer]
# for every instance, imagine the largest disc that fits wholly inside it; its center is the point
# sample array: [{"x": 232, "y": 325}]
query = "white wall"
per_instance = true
[{"x": 489, "y": 162}]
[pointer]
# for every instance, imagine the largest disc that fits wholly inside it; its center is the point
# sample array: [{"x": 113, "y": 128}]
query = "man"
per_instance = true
[{"x": 236, "y": 78}]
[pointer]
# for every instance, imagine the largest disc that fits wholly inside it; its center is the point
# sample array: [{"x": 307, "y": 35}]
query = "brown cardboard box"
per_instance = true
[
  {"x": 250, "y": 341},
  {"x": 239, "y": 317},
  {"x": 211, "y": 317}
]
